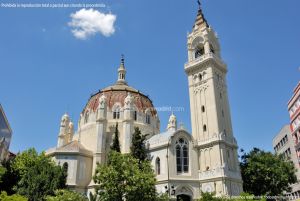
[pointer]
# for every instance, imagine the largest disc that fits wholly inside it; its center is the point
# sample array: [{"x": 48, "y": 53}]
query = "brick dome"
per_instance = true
[{"x": 117, "y": 94}]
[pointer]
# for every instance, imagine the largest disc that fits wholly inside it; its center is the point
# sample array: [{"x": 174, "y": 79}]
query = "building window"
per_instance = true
[
  {"x": 116, "y": 113},
  {"x": 148, "y": 119},
  {"x": 157, "y": 166},
  {"x": 135, "y": 115},
  {"x": 203, "y": 108},
  {"x": 204, "y": 128},
  {"x": 200, "y": 77},
  {"x": 65, "y": 167},
  {"x": 182, "y": 156}
]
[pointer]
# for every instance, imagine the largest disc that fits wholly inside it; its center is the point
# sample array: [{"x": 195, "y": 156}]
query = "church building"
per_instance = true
[{"x": 185, "y": 164}]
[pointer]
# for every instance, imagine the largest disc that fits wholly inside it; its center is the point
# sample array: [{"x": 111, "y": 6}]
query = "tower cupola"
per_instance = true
[
  {"x": 202, "y": 41},
  {"x": 122, "y": 72}
]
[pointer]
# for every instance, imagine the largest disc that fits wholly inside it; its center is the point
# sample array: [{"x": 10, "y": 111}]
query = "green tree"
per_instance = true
[
  {"x": 116, "y": 143},
  {"x": 122, "y": 179},
  {"x": 24, "y": 161},
  {"x": 39, "y": 175},
  {"x": 2, "y": 172},
  {"x": 9, "y": 177},
  {"x": 205, "y": 196},
  {"x": 138, "y": 148},
  {"x": 265, "y": 173},
  {"x": 5, "y": 197},
  {"x": 63, "y": 195}
]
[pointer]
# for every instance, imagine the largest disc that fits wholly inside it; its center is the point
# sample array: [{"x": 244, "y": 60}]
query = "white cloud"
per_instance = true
[{"x": 88, "y": 22}]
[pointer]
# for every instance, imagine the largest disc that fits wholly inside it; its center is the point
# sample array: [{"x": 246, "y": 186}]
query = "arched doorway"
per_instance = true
[{"x": 183, "y": 197}]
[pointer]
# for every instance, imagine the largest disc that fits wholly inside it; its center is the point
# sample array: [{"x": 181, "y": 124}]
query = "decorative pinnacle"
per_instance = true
[{"x": 121, "y": 71}]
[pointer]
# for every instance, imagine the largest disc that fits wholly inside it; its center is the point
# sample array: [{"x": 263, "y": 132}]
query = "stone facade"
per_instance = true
[
  {"x": 185, "y": 163},
  {"x": 214, "y": 141}
]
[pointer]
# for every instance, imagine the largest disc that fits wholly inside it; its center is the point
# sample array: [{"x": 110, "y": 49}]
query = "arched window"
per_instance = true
[
  {"x": 135, "y": 115},
  {"x": 116, "y": 113},
  {"x": 203, "y": 108},
  {"x": 148, "y": 119},
  {"x": 182, "y": 156},
  {"x": 65, "y": 167},
  {"x": 157, "y": 166},
  {"x": 199, "y": 52},
  {"x": 200, "y": 77},
  {"x": 204, "y": 128}
]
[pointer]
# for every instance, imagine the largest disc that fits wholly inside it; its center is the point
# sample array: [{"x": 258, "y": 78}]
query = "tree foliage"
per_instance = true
[
  {"x": 63, "y": 195},
  {"x": 123, "y": 179},
  {"x": 36, "y": 175},
  {"x": 205, "y": 196},
  {"x": 2, "y": 172},
  {"x": 9, "y": 177},
  {"x": 15, "y": 197},
  {"x": 264, "y": 173},
  {"x": 138, "y": 148},
  {"x": 116, "y": 143}
]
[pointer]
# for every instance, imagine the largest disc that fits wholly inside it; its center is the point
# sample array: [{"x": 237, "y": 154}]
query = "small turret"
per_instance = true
[
  {"x": 172, "y": 125},
  {"x": 66, "y": 131},
  {"x": 65, "y": 120},
  {"x": 71, "y": 132},
  {"x": 102, "y": 108}
]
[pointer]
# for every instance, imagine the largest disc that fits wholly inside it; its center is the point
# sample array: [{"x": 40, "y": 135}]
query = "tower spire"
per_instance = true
[
  {"x": 200, "y": 21},
  {"x": 122, "y": 72}
]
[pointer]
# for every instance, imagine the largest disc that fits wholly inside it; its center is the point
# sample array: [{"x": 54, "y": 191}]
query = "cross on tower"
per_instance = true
[{"x": 199, "y": 3}]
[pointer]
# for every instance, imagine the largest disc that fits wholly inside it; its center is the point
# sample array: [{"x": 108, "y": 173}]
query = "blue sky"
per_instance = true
[{"x": 46, "y": 71}]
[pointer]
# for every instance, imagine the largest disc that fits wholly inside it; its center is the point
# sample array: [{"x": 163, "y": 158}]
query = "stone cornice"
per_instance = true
[
  {"x": 205, "y": 61},
  {"x": 219, "y": 172},
  {"x": 216, "y": 139}
]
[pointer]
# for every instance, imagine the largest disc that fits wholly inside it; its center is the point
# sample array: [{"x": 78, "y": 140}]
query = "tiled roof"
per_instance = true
[
  {"x": 200, "y": 20},
  {"x": 72, "y": 147},
  {"x": 117, "y": 93}
]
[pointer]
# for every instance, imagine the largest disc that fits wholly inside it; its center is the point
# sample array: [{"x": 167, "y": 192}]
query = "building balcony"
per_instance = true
[{"x": 204, "y": 58}]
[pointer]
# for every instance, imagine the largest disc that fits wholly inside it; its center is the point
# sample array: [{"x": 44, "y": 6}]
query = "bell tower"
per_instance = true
[{"x": 210, "y": 113}]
